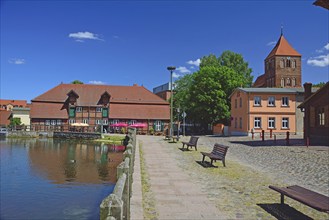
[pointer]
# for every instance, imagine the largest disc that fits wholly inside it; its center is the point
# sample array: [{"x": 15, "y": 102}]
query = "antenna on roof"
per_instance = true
[{"x": 281, "y": 29}]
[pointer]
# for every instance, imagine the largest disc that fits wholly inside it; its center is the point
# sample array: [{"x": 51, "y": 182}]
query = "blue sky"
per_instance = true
[{"x": 44, "y": 43}]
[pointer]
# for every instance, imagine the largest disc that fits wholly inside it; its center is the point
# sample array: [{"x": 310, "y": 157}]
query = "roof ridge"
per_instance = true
[{"x": 283, "y": 47}]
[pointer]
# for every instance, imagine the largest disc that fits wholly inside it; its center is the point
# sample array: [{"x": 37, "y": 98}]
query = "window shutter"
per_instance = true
[{"x": 162, "y": 124}]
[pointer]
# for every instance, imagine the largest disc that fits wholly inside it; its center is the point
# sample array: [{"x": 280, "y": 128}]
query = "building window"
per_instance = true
[
  {"x": 53, "y": 122},
  {"x": 71, "y": 121},
  {"x": 321, "y": 117},
  {"x": 293, "y": 64},
  {"x": 257, "y": 101},
  {"x": 288, "y": 82},
  {"x": 157, "y": 126},
  {"x": 131, "y": 122},
  {"x": 240, "y": 102},
  {"x": 105, "y": 112},
  {"x": 285, "y": 101},
  {"x": 282, "y": 82},
  {"x": 235, "y": 122},
  {"x": 72, "y": 112},
  {"x": 271, "y": 101},
  {"x": 288, "y": 62},
  {"x": 59, "y": 122},
  {"x": 79, "y": 109},
  {"x": 293, "y": 82},
  {"x": 98, "y": 122},
  {"x": 257, "y": 122},
  {"x": 271, "y": 122},
  {"x": 115, "y": 121},
  {"x": 285, "y": 123},
  {"x": 240, "y": 122},
  {"x": 47, "y": 122},
  {"x": 235, "y": 103},
  {"x": 281, "y": 63},
  {"x": 86, "y": 121},
  {"x": 98, "y": 109},
  {"x": 105, "y": 122}
]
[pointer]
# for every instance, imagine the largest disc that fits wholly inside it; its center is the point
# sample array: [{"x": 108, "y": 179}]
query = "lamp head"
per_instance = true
[{"x": 171, "y": 68}]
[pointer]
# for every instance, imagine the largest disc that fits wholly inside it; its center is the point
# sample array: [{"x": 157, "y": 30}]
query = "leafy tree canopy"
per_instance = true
[
  {"x": 76, "y": 82},
  {"x": 15, "y": 121},
  {"x": 320, "y": 84}
]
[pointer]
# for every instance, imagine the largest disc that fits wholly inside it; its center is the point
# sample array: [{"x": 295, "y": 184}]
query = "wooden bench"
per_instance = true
[
  {"x": 218, "y": 153},
  {"x": 307, "y": 197},
  {"x": 192, "y": 142}
]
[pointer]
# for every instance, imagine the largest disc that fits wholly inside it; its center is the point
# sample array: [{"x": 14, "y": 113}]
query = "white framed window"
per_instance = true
[
  {"x": 78, "y": 109},
  {"x": 71, "y": 121},
  {"x": 157, "y": 125},
  {"x": 240, "y": 123},
  {"x": 285, "y": 122},
  {"x": 98, "y": 109},
  {"x": 47, "y": 122},
  {"x": 288, "y": 82},
  {"x": 257, "y": 101},
  {"x": 285, "y": 101},
  {"x": 271, "y": 122},
  {"x": 271, "y": 101},
  {"x": 321, "y": 117},
  {"x": 98, "y": 122},
  {"x": 59, "y": 122},
  {"x": 105, "y": 122},
  {"x": 131, "y": 122},
  {"x": 86, "y": 121},
  {"x": 257, "y": 122},
  {"x": 53, "y": 122}
]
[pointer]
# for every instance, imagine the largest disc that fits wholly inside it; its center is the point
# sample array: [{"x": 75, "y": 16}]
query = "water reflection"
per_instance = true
[
  {"x": 74, "y": 162},
  {"x": 70, "y": 177}
]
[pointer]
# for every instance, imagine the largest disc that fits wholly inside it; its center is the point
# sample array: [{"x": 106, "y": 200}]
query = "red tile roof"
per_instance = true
[
  {"x": 260, "y": 81},
  {"x": 89, "y": 95},
  {"x": 138, "y": 111},
  {"x": 19, "y": 103},
  {"x": 4, "y": 117},
  {"x": 127, "y": 102},
  {"x": 48, "y": 110},
  {"x": 282, "y": 47}
]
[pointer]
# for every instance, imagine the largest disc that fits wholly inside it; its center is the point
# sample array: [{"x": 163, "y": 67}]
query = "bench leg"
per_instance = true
[
  {"x": 196, "y": 148},
  {"x": 223, "y": 162},
  {"x": 183, "y": 146},
  {"x": 282, "y": 199},
  {"x": 203, "y": 158},
  {"x": 211, "y": 161}
]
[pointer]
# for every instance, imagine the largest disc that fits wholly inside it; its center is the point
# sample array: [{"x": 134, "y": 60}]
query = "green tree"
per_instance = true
[
  {"x": 320, "y": 84},
  {"x": 76, "y": 82},
  {"x": 15, "y": 121}
]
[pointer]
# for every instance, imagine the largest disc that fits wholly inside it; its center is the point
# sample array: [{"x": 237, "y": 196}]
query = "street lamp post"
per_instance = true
[{"x": 171, "y": 69}]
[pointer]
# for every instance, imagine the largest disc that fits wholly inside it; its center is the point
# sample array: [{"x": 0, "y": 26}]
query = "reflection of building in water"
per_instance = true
[{"x": 84, "y": 163}]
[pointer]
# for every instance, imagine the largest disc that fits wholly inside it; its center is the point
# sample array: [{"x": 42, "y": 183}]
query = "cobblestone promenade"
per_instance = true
[{"x": 177, "y": 186}]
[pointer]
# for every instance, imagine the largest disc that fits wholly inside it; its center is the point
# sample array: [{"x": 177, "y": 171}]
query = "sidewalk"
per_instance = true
[{"x": 175, "y": 195}]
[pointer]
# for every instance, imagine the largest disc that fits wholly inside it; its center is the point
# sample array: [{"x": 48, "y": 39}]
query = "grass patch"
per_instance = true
[
  {"x": 111, "y": 139},
  {"x": 149, "y": 209}
]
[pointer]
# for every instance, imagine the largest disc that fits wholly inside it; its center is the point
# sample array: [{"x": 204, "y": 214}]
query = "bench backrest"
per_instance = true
[
  {"x": 219, "y": 150},
  {"x": 193, "y": 140}
]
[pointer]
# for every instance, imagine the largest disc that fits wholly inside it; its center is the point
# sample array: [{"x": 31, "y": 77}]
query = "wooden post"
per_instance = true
[
  {"x": 263, "y": 132},
  {"x": 287, "y": 139}
]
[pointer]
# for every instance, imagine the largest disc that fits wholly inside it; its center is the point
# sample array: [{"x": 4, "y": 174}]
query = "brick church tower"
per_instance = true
[{"x": 282, "y": 67}]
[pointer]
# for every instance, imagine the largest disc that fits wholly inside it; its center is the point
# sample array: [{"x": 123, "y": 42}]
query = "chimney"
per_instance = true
[
  {"x": 135, "y": 84},
  {"x": 307, "y": 90}
]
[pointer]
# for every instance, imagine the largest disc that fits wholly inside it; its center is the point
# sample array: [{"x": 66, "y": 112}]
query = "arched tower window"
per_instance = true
[
  {"x": 293, "y": 82},
  {"x": 293, "y": 64},
  {"x": 282, "y": 82},
  {"x": 288, "y": 82},
  {"x": 281, "y": 64},
  {"x": 288, "y": 62}
]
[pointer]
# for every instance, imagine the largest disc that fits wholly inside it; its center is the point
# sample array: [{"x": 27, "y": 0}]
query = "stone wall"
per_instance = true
[{"x": 76, "y": 135}]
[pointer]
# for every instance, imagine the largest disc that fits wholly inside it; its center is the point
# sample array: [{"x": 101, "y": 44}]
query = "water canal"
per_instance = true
[{"x": 55, "y": 179}]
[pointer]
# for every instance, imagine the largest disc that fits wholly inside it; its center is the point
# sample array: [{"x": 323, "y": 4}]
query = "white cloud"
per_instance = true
[
  {"x": 320, "y": 61},
  {"x": 272, "y": 43},
  {"x": 81, "y": 36},
  {"x": 195, "y": 62},
  {"x": 97, "y": 82},
  {"x": 17, "y": 61},
  {"x": 175, "y": 75},
  {"x": 183, "y": 69},
  {"x": 326, "y": 46}
]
